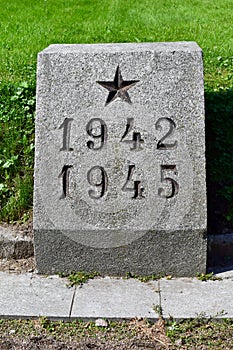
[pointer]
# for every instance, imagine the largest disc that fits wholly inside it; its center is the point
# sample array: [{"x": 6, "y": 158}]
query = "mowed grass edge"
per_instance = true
[{"x": 27, "y": 27}]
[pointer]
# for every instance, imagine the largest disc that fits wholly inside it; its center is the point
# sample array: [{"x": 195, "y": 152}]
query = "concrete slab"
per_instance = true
[
  {"x": 189, "y": 298},
  {"x": 223, "y": 273},
  {"x": 115, "y": 299},
  {"x": 29, "y": 295}
]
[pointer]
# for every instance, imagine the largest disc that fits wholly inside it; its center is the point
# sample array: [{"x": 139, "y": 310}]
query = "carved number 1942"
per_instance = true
[{"x": 137, "y": 141}]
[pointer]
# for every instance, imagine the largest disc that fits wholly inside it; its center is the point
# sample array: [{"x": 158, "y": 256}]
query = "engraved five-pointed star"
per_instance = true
[{"x": 118, "y": 87}]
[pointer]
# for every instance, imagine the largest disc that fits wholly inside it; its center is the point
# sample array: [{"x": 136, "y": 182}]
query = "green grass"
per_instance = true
[
  {"x": 17, "y": 109},
  {"x": 146, "y": 278},
  {"x": 207, "y": 277},
  {"x": 78, "y": 278},
  {"x": 196, "y": 333},
  {"x": 201, "y": 334},
  {"x": 28, "y": 26}
]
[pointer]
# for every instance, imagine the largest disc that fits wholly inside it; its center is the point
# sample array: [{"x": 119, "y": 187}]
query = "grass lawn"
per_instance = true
[
  {"x": 135, "y": 334},
  {"x": 28, "y": 26}
]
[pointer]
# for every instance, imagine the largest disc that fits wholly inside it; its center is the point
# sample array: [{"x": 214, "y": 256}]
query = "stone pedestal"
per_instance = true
[{"x": 120, "y": 159}]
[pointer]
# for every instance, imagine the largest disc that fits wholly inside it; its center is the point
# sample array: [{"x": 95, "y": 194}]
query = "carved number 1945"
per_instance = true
[{"x": 97, "y": 177}]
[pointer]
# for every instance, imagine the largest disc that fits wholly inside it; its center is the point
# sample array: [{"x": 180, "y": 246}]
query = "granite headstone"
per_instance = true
[{"x": 120, "y": 159}]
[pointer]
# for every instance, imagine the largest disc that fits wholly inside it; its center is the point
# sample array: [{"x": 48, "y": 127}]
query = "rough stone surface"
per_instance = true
[
  {"x": 120, "y": 159},
  {"x": 100, "y": 322},
  {"x": 14, "y": 247}
]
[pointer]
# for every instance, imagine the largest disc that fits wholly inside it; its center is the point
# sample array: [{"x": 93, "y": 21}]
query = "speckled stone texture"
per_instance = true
[{"x": 120, "y": 159}]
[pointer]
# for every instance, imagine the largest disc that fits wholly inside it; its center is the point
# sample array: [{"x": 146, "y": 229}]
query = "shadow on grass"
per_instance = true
[{"x": 219, "y": 158}]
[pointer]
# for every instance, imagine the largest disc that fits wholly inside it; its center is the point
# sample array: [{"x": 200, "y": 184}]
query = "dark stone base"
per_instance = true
[{"x": 181, "y": 253}]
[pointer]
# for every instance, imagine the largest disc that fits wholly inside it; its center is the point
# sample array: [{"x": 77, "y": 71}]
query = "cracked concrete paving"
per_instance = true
[{"x": 31, "y": 295}]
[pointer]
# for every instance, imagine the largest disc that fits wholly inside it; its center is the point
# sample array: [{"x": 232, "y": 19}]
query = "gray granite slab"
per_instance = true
[
  {"x": 115, "y": 299},
  {"x": 120, "y": 159},
  {"x": 189, "y": 298},
  {"x": 29, "y": 295}
]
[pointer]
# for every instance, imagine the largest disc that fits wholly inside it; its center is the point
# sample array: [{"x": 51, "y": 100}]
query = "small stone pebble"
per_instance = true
[
  {"x": 178, "y": 342},
  {"x": 100, "y": 322}
]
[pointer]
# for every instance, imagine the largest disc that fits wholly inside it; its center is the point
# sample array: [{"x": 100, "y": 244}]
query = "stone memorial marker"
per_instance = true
[{"x": 120, "y": 159}]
